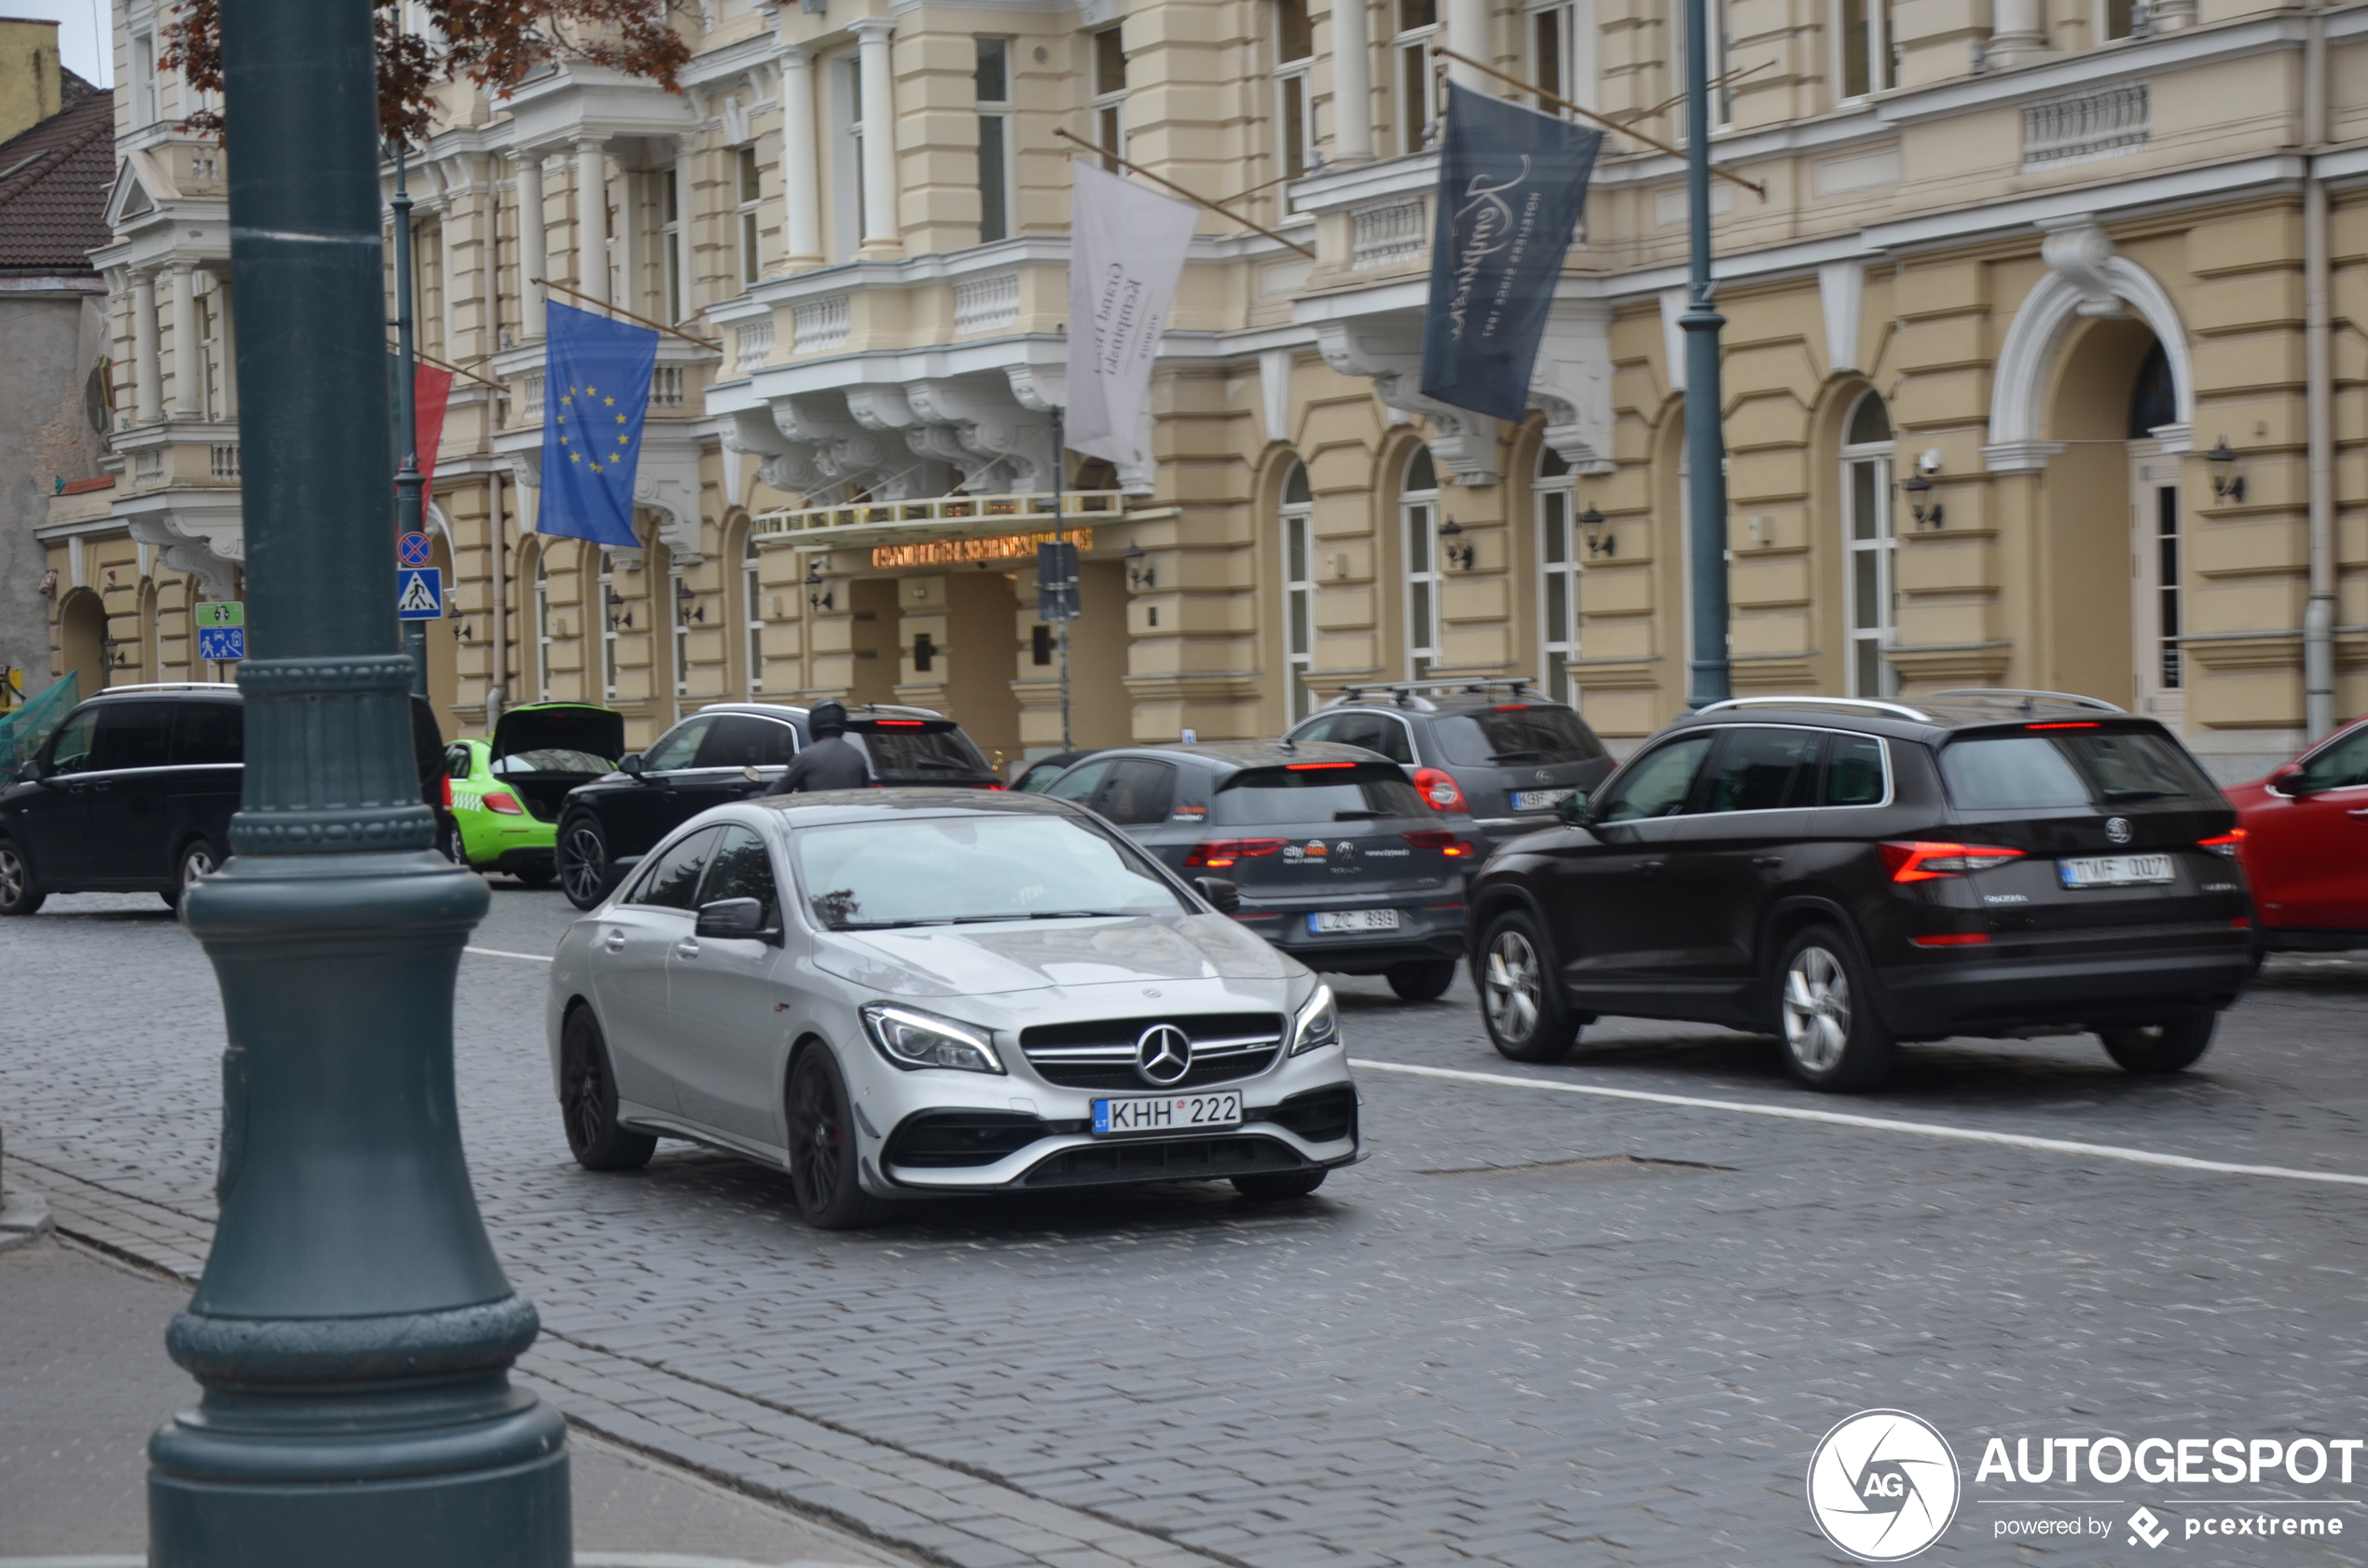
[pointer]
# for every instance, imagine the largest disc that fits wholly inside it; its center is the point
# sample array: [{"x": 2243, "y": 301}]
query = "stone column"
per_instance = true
[
  {"x": 880, "y": 227},
  {"x": 631, "y": 241},
  {"x": 2019, "y": 31},
  {"x": 1467, "y": 35},
  {"x": 532, "y": 237},
  {"x": 800, "y": 159},
  {"x": 148, "y": 398},
  {"x": 224, "y": 325},
  {"x": 685, "y": 252},
  {"x": 188, "y": 354},
  {"x": 1352, "y": 83},
  {"x": 592, "y": 220}
]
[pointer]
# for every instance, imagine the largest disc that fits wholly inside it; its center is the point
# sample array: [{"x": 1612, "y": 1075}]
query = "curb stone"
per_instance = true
[{"x": 24, "y": 1217}]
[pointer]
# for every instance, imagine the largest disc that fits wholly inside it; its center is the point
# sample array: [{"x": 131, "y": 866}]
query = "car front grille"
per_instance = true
[
  {"x": 1227, "y": 1047},
  {"x": 1163, "y": 1160}
]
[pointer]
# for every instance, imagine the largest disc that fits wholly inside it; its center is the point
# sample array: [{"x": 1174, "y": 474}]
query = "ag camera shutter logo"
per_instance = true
[{"x": 1883, "y": 1485}]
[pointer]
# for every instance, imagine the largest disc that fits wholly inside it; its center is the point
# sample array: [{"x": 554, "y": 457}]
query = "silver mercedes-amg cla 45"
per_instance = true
[{"x": 907, "y": 993}]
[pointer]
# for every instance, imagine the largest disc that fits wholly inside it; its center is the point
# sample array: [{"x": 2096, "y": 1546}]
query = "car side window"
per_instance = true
[
  {"x": 1762, "y": 768},
  {"x": 1375, "y": 732},
  {"x": 208, "y": 733},
  {"x": 746, "y": 741},
  {"x": 674, "y": 881},
  {"x": 1080, "y": 783},
  {"x": 677, "y": 746},
  {"x": 1854, "y": 771},
  {"x": 1140, "y": 791},
  {"x": 1321, "y": 727},
  {"x": 134, "y": 735},
  {"x": 457, "y": 764},
  {"x": 742, "y": 869},
  {"x": 70, "y": 753},
  {"x": 1657, "y": 784},
  {"x": 2342, "y": 765}
]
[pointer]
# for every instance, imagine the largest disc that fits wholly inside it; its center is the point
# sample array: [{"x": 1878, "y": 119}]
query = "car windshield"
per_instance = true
[
  {"x": 1305, "y": 794},
  {"x": 551, "y": 760},
  {"x": 2080, "y": 766},
  {"x": 1502, "y": 736},
  {"x": 930, "y": 871},
  {"x": 910, "y": 753}
]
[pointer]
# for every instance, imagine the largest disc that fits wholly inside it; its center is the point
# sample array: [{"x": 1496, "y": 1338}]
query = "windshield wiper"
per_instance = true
[
  {"x": 1531, "y": 756},
  {"x": 1081, "y": 913},
  {"x": 1359, "y": 815},
  {"x": 2119, "y": 795},
  {"x": 892, "y": 925}
]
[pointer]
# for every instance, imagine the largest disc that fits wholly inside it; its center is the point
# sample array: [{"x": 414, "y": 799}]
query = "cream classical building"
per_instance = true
[{"x": 2020, "y": 270}]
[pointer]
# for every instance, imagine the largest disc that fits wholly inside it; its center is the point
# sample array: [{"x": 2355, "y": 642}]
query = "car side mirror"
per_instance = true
[
  {"x": 2284, "y": 779},
  {"x": 1222, "y": 895},
  {"x": 1571, "y": 808},
  {"x": 30, "y": 772},
  {"x": 743, "y": 918},
  {"x": 630, "y": 763}
]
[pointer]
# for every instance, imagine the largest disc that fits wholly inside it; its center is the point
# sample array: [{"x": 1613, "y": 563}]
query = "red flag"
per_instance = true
[{"x": 431, "y": 389}]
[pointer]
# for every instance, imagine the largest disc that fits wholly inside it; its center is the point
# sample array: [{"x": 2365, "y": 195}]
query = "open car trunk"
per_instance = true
[{"x": 545, "y": 750}]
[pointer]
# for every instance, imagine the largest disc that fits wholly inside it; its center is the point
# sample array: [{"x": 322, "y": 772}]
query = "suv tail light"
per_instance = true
[
  {"x": 1924, "y": 861},
  {"x": 1223, "y": 852},
  {"x": 1438, "y": 838},
  {"x": 1439, "y": 791},
  {"x": 2225, "y": 845}
]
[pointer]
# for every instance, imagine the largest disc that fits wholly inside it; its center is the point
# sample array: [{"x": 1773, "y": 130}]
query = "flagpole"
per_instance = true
[
  {"x": 408, "y": 509},
  {"x": 1060, "y": 557},
  {"x": 1710, "y": 678}
]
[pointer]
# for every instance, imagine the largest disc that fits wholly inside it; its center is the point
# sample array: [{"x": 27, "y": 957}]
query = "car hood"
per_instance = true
[
  {"x": 560, "y": 727},
  {"x": 984, "y": 960}
]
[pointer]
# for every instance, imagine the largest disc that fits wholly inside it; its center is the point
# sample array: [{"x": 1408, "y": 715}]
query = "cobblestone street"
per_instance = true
[{"x": 1536, "y": 1329}]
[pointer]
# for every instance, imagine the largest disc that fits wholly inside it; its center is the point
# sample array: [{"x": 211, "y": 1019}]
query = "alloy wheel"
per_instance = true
[
  {"x": 814, "y": 1113},
  {"x": 582, "y": 865},
  {"x": 1816, "y": 1009},
  {"x": 588, "y": 1110},
  {"x": 197, "y": 862},
  {"x": 11, "y": 874},
  {"x": 1513, "y": 987}
]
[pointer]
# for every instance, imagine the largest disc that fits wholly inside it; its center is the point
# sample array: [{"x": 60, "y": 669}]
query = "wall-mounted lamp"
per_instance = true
[
  {"x": 686, "y": 604},
  {"x": 815, "y": 600},
  {"x": 1137, "y": 574},
  {"x": 1459, "y": 555},
  {"x": 618, "y": 622},
  {"x": 1916, "y": 488},
  {"x": 460, "y": 632},
  {"x": 2227, "y": 483},
  {"x": 49, "y": 585},
  {"x": 1600, "y": 540},
  {"x": 114, "y": 654}
]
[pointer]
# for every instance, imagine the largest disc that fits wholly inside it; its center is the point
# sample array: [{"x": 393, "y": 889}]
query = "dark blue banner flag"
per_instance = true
[
  {"x": 1512, "y": 183},
  {"x": 596, "y": 392}
]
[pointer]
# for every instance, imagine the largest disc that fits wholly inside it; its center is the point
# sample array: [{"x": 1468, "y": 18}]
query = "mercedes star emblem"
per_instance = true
[{"x": 1162, "y": 1055}]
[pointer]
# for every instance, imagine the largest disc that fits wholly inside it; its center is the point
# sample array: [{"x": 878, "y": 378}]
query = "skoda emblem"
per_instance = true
[
  {"x": 2117, "y": 829},
  {"x": 1162, "y": 1055},
  {"x": 1544, "y": 777}
]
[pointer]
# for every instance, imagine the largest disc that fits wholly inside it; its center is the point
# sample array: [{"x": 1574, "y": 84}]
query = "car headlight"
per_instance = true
[
  {"x": 1318, "y": 1024},
  {"x": 912, "y": 1038}
]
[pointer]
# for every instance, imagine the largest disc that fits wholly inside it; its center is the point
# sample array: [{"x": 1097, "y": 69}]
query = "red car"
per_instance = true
[{"x": 2305, "y": 846}]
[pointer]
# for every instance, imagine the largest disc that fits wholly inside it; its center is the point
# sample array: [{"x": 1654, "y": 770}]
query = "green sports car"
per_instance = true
[{"x": 503, "y": 796}]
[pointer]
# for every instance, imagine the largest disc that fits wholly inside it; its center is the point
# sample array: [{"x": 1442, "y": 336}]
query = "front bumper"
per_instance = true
[{"x": 1971, "y": 991}]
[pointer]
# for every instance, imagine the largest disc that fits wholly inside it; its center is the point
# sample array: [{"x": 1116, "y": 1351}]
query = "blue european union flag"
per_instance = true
[{"x": 596, "y": 392}]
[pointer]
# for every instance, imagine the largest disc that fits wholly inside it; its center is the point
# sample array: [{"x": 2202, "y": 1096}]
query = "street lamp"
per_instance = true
[
  {"x": 352, "y": 1332},
  {"x": 1710, "y": 677}
]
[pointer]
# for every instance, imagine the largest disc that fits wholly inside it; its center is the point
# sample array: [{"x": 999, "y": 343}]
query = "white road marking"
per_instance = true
[
  {"x": 496, "y": 953},
  {"x": 1875, "y": 1123}
]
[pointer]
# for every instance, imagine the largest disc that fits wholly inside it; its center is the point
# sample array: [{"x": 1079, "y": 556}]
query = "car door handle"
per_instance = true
[
  {"x": 687, "y": 948},
  {"x": 1768, "y": 862},
  {"x": 615, "y": 942},
  {"x": 2361, "y": 812},
  {"x": 1650, "y": 868}
]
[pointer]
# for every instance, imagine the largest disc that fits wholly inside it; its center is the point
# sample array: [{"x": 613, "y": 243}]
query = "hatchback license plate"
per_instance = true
[
  {"x": 1180, "y": 1113},
  {"x": 1353, "y": 920},
  {"x": 2114, "y": 871},
  {"x": 1540, "y": 800}
]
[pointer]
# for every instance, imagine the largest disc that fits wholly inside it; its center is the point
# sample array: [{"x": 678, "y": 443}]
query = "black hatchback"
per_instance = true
[
  {"x": 1849, "y": 875},
  {"x": 1326, "y": 851}
]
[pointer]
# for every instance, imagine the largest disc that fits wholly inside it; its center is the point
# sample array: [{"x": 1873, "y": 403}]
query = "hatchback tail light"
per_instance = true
[
  {"x": 504, "y": 803},
  {"x": 1438, "y": 789},
  {"x": 1439, "y": 839},
  {"x": 1924, "y": 861},
  {"x": 1223, "y": 852},
  {"x": 448, "y": 791},
  {"x": 2225, "y": 845}
]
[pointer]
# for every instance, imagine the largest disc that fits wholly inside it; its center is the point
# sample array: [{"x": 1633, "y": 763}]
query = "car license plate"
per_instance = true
[
  {"x": 1179, "y": 1113},
  {"x": 1353, "y": 920},
  {"x": 2114, "y": 871},
  {"x": 1540, "y": 800}
]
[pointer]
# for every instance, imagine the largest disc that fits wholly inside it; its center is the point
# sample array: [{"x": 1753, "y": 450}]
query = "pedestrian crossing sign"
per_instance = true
[
  {"x": 222, "y": 644},
  {"x": 419, "y": 593}
]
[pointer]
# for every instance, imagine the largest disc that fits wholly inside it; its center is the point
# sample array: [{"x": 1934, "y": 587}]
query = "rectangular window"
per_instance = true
[
  {"x": 748, "y": 187},
  {"x": 994, "y": 77},
  {"x": 2166, "y": 624},
  {"x": 1873, "y": 598},
  {"x": 670, "y": 240},
  {"x": 1110, "y": 95},
  {"x": 1558, "y": 586},
  {"x": 1299, "y": 606},
  {"x": 682, "y": 632},
  {"x": 1422, "y": 586},
  {"x": 1561, "y": 50},
  {"x": 144, "y": 80},
  {"x": 1864, "y": 32},
  {"x": 1417, "y": 92},
  {"x": 541, "y": 630},
  {"x": 1546, "y": 52},
  {"x": 2121, "y": 19},
  {"x": 752, "y": 607},
  {"x": 612, "y": 616},
  {"x": 1295, "y": 98}
]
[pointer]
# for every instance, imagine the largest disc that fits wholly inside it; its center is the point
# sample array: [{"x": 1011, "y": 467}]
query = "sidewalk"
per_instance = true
[{"x": 84, "y": 1380}]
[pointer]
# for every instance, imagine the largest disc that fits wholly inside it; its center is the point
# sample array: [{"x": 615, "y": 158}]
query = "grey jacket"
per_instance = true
[{"x": 833, "y": 763}]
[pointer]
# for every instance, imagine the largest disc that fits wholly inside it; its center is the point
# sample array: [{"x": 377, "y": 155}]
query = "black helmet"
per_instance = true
[{"x": 826, "y": 718}]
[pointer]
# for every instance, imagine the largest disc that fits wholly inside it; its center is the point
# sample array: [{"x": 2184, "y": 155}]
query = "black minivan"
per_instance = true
[
  {"x": 1850, "y": 874},
  {"x": 135, "y": 792}
]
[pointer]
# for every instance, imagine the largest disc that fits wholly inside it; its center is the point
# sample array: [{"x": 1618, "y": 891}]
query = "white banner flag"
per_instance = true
[{"x": 1126, "y": 256}]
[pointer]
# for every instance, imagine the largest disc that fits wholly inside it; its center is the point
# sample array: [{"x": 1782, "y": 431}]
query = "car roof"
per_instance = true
[
  {"x": 854, "y": 710},
  {"x": 1232, "y": 756},
  {"x": 880, "y": 805},
  {"x": 1930, "y": 718},
  {"x": 216, "y": 688}
]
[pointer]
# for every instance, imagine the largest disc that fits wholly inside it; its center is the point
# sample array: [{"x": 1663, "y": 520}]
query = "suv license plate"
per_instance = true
[
  {"x": 1540, "y": 800},
  {"x": 1180, "y": 1113},
  {"x": 2114, "y": 871},
  {"x": 1353, "y": 920}
]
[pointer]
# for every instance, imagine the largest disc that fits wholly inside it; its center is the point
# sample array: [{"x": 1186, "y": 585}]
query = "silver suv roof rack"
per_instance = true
[
  {"x": 1406, "y": 690},
  {"x": 1899, "y": 708},
  {"x": 169, "y": 686},
  {"x": 2027, "y": 700}
]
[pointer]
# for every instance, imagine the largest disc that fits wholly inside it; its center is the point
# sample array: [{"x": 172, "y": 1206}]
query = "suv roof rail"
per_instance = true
[
  {"x": 2028, "y": 699},
  {"x": 1405, "y": 691},
  {"x": 169, "y": 686},
  {"x": 1899, "y": 708}
]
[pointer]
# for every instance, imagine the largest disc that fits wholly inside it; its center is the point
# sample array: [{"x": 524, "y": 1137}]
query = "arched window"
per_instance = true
[
  {"x": 752, "y": 613},
  {"x": 1418, "y": 525},
  {"x": 542, "y": 626},
  {"x": 1871, "y": 548},
  {"x": 1557, "y": 575},
  {"x": 1299, "y": 589}
]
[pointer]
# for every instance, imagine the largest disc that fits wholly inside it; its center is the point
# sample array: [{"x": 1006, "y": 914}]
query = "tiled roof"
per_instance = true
[{"x": 53, "y": 185}]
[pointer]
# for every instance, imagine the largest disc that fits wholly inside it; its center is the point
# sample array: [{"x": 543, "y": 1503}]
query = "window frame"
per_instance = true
[
  {"x": 1418, "y": 541},
  {"x": 752, "y": 609},
  {"x": 1107, "y": 104},
  {"x": 995, "y": 224},
  {"x": 671, "y": 227},
  {"x": 1882, "y": 61},
  {"x": 1296, "y": 530},
  {"x": 1550, "y": 493},
  {"x": 543, "y": 625},
  {"x": 606, "y": 584},
  {"x": 749, "y": 191},
  {"x": 1573, "y": 53},
  {"x": 1416, "y": 87},
  {"x": 679, "y": 625},
  {"x": 1295, "y": 152},
  {"x": 1882, "y": 543}
]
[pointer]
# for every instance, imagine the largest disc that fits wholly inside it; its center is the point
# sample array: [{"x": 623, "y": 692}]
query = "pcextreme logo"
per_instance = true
[{"x": 1883, "y": 1486}]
